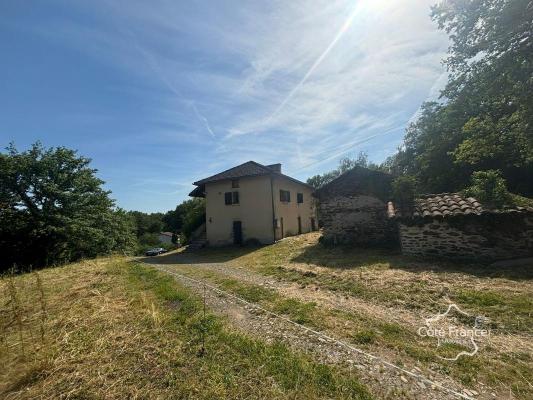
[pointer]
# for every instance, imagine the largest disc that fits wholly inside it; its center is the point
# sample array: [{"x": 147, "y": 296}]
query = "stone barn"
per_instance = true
[
  {"x": 453, "y": 226},
  {"x": 352, "y": 209}
]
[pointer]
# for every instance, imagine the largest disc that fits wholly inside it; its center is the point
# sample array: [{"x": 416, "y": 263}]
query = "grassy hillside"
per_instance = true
[
  {"x": 115, "y": 329},
  {"x": 385, "y": 298}
]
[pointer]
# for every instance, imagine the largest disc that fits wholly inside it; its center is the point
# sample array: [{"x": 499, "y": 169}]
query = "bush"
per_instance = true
[
  {"x": 404, "y": 190},
  {"x": 489, "y": 188}
]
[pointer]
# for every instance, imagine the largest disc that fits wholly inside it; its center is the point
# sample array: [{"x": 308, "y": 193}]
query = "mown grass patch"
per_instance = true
[
  {"x": 116, "y": 329},
  {"x": 510, "y": 311},
  {"x": 298, "y": 311},
  {"x": 374, "y": 334},
  {"x": 291, "y": 371}
]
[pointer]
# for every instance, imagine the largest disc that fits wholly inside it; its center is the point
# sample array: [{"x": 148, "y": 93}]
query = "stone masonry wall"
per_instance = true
[
  {"x": 357, "y": 219},
  {"x": 471, "y": 237}
]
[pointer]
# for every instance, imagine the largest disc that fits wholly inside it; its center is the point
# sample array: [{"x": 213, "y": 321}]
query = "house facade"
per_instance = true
[
  {"x": 353, "y": 208},
  {"x": 255, "y": 202}
]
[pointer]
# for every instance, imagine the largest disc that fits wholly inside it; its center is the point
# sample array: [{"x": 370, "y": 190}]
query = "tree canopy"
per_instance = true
[
  {"x": 53, "y": 209},
  {"x": 345, "y": 164},
  {"x": 484, "y": 118}
]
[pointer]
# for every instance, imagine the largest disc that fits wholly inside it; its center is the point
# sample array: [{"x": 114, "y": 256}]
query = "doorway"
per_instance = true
[
  {"x": 237, "y": 232},
  {"x": 299, "y": 225}
]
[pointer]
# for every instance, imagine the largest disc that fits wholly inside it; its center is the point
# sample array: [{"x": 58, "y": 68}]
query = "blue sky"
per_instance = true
[{"x": 162, "y": 93}]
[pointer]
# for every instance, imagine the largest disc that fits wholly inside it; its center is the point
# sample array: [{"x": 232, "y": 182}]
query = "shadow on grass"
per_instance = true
[
  {"x": 208, "y": 255},
  {"x": 348, "y": 257}
]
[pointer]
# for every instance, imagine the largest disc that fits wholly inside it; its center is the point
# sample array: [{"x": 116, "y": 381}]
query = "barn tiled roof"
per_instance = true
[{"x": 447, "y": 205}]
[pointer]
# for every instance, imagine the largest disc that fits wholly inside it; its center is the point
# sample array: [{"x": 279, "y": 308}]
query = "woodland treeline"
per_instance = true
[
  {"x": 53, "y": 210},
  {"x": 483, "y": 121}
]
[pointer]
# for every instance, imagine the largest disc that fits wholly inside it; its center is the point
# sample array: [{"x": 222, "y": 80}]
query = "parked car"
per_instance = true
[{"x": 155, "y": 251}]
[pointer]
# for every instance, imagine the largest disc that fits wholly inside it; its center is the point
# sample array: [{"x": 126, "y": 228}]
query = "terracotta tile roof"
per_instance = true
[{"x": 448, "y": 205}]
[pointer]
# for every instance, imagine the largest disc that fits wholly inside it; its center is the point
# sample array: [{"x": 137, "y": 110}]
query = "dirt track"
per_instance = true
[{"x": 383, "y": 380}]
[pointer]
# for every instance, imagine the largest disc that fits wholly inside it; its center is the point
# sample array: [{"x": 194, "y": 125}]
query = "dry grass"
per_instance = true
[
  {"x": 393, "y": 294},
  {"x": 113, "y": 329}
]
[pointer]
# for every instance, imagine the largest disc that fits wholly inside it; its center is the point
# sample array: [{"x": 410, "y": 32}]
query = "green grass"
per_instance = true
[
  {"x": 420, "y": 286},
  {"x": 229, "y": 352},
  {"x": 510, "y": 311},
  {"x": 386, "y": 278},
  {"x": 116, "y": 329},
  {"x": 300, "y": 312}
]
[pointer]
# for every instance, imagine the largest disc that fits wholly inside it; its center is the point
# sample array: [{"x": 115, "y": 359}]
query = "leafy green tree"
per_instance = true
[
  {"x": 173, "y": 220},
  {"x": 53, "y": 209},
  {"x": 489, "y": 188},
  {"x": 404, "y": 191},
  {"x": 147, "y": 223},
  {"x": 345, "y": 164},
  {"x": 485, "y": 118},
  {"x": 193, "y": 212}
]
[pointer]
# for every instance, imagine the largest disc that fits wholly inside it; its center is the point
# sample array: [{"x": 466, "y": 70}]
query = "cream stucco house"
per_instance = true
[{"x": 254, "y": 201}]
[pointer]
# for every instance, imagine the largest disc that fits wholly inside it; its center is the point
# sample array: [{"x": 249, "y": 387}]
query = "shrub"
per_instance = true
[
  {"x": 489, "y": 188},
  {"x": 404, "y": 189}
]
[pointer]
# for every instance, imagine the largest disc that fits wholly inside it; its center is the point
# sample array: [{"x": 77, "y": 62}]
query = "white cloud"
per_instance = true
[{"x": 287, "y": 81}]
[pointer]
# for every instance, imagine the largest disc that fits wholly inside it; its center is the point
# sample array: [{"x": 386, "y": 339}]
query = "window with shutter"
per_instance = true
[
  {"x": 284, "y": 196},
  {"x": 300, "y": 197},
  {"x": 227, "y": 198},
  {"x": 235, "y": 198}
]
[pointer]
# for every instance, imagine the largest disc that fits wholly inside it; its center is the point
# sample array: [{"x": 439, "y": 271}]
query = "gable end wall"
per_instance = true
[{"x": 358, "y": 219}]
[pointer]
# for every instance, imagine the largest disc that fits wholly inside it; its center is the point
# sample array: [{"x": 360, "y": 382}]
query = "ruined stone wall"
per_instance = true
[
  {"x": 470, "y": 237},
  {"x": 357, "y": 219}
]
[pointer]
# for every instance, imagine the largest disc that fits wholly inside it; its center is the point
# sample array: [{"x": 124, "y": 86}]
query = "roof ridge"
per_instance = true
[
  {"x": 266, "y": 169},
  {"x": 428, "y": 195},
  {"x": 248, "y": 168}
]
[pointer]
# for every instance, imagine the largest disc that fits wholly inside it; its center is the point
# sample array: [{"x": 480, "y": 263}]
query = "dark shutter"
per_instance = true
[
  {"x": 227, "y": 198},
  {"x": 235, "y": 197},
  {"x": 284, "y": 195},
  {"x": 300, "y": 197}
]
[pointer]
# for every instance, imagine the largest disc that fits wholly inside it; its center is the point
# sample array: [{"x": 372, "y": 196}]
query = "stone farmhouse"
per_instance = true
[
  {"x": 254, "y": 202},
  {"x": 356, "y": 208}
]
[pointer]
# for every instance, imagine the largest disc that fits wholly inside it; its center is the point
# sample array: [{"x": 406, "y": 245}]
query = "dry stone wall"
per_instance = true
[{"x": 470, "y": 237}]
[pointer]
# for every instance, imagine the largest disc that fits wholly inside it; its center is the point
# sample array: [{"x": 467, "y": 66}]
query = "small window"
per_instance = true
[
  {"x": 234, "y": 183},
  {"x": 227, "y": 198},
  {"x": 284, "y": 196},
  {"x": 231, "y": 198},
  {"x": 300, "y": 197}
]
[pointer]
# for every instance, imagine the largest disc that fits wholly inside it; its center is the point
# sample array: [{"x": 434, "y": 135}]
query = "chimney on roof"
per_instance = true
[{"x": 275, "y": 167}]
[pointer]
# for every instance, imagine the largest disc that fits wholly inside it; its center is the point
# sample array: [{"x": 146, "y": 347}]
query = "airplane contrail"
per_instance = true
[{"x": 321, "y": 58}]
